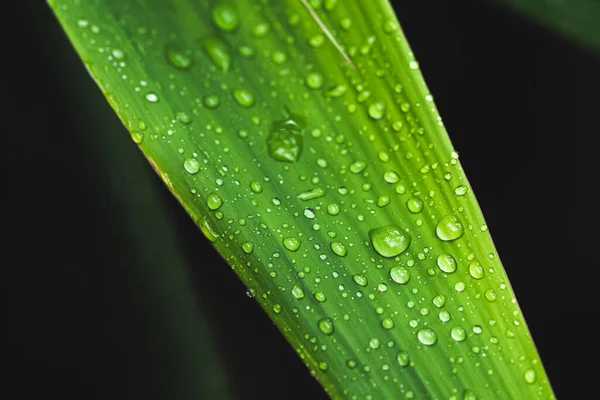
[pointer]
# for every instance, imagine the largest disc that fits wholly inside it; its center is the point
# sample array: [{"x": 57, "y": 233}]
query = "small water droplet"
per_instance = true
[
  {"x": 314, "y": 80},
  {"x": 248, "y": 247},
  {"x": 291, "y": 243},
  {"x": 389, "y": 241},
  {"x": 446, "y": 263},
  {"x": 339, "y": 248},
  {"x": 243, "y": 97},
  {"x": 476, "y": 270},
  {"x": 152, "y": 97},
  {"x": 298, "y": 292},
  {"x": 326, "y": 326},
  {"x": 387, "y": 323},
  {"x": 400, "y": 275},
  {"x": 320, "y": 297},
  {"x": 211, "y": 101},
  {"x": 427, "y": 336},
  {"x": 225, "y": 16},
  {"x": 529, "y": 376},
  {"x": 191, "y": 165},
  {"x": 261, "y": 30},
  {"x": 285, "y": 141},
  {"x": 333, "y": 209},
  {"x": 490, "y": 295},
  {"x": 214, "y": 201},
  {"x": 312, "y": 194},
  {"x": 403, "y": 358},
  {"x": 178, "y": 56},
  {"x": 219, "y": 52},
  {"x": 376, "y": 110},
  {"x": 207, "y": 229},
  {"x": 391, "y": 176},
  {"x": 414, "y": 205},
  {"x": 360, "y": 280},
  {"x": 460, "y": 190},
  {"x": 256, "y": 187},
  {"x": 439, "y": 300},
  {"x": 458, "y": 334},
  {"x": 357, "y": 167},
  {"x": 449, "y": 228}
]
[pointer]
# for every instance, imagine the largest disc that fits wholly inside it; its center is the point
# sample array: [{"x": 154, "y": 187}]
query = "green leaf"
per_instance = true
[
  {"x": 302, "y": 139},
  {"x": 577, "y": 20}
]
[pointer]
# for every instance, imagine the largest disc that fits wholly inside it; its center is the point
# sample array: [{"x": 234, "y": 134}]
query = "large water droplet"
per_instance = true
[
  {"x": 219, "y": 52},
  {"x": 389, "y": 241},
  {"x": 326, "y": 326},
  {"x": 400, "y": 275},
  {"x": 458, "y": 334},
  {"x": 178, "y": 56},
  {"x": 476, "y": 270},
  {"x": 298, "y": 292},
  {"x": 191, "y": 165},
  {"x": 225, "y": 16},
  {"x": 214, "y": 201},
  {"x": 414, "y": 205},
  {"x": 285, "y": 141},
  {"x": 291, "y": 243},
  {"x": 427, "y": 336},
  {"x": 376, "y": 110},
  {"x": 449, "y": 228},
  {"x": 446, "y": 263},
  {"x": 248, "y": 247},
  {"x": 339, "y": 249}
]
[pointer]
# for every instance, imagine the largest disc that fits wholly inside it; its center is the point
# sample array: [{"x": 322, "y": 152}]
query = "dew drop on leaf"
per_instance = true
[
  {"x": 178, "y": 57},
  {"x": 446, "y": 263},
  {"x": 219, "y": 52},
  {"x": 285, "y": 140},
  {"x": 389, "y": 241},
  {"x": 291, "y": 243},
  {"x": 191, "y": 165},
  {"x": 214, "y": 201},
  {"x": 400, "y": 275},
  {"x": 427, "y": 336},
  {"x": 476, "y": 270},
  {"x": 449, "y": 228},
  {"x": 225, "y": 16},
  {"x": 326, "y": 326},
  {"x": 298, "y": 292},
  {"x": 243, "y": 97},
  {"x": 248, "y": 247},
  {"x": 339, "y": 249},
  {"x": 360, "y": 280}
]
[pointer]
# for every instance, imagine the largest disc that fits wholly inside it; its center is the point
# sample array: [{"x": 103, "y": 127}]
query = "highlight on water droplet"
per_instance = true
[
  {"x": 449, "y": 228},
  {"x": 389, "y": 241}
]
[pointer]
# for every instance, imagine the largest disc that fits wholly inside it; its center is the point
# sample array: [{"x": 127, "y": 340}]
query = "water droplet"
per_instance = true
[
  {"x": 387, "y": 323},
  {"x": 225, "y": 16},
  {"x": 360, "y": 280},
  {"x": 458, "y": 334},
  {"x": 333, "y": 209},
  {"x": 298, "y": 292},
  {"x": 427, "y": 336},
  {"x": 414, "y": 205},
  {"x": 211, "y": 101},
  {"x": 323, "y": 366},
  {"x": 309, "y": 213},
  {"x": 285, "y": 140},
  {"x": 490, "y": 295},
  {"x": 468, "y": 395},
  {"x": 191, "y": 165},
  {"x": 184, "y": 117},
  {"x": 291, "y": 243},
  {"x": 277, "y": 308},
  {"x": 389, "y": 241},
  {"x": 219, "y": 52},
  {"x": 178, "y": 56},
  {"x": 351, "y": 364},
  {"x": 400, "y": 275},
  {"x": 137, "y": 137},
  {"x": 449, "y": 228},
  {"x": 243, "y": 97},
  {"x": 256, "y": 187},
  {"x": 261, "y": 30},
  {"x": 214, "y": 201},
  {"x": 390, "y": 26},
  {"x": 476, "y": 270},
  {"x": 326, "y": 326},
  {"x": 152, "y": 97},
  {"x": 383, "y": 201},
  {"x": 312, "y": 194},
  {"x": 439, "y": 300},
  {"x": 444, "y": 316},
  {"x": 376, "y": 110},
  {"x": 529, "y": 376},
  {"x": 403, "y": 358},
  {"x": 248, "y": 247},
  {"x": 460, "y": 190},
  {"x": 314, "y": 80},
  {"x": 320, "y": 297},
  {"x": 357, "y": 167},
  {"x": 446, "y": 263},
  {"x": 391, "y": 176},
  {"x": 207, "y": 229},
  {"x": 339, "y": 248}
]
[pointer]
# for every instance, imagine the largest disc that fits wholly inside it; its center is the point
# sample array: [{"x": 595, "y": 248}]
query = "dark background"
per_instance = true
[{"x": 522, "y": 106}]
